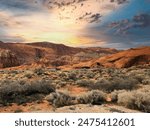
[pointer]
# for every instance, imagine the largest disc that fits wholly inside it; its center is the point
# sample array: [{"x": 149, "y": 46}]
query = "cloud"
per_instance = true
[
  {"x": 95, "y": 18},
  {"x": 15, "y": 5},
  {"x": 7, "y": 20},
  {"x": 125, "y": 25},
  {"x": 11, "y": 39},
  {"x": 92, "y": 22},
  {"x": 82, "y": 10},
  {"x": 90, "y": 18},
  {"x": 119, "y": 1}
]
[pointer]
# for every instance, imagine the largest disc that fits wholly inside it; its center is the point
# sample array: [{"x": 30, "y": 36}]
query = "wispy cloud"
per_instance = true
[{"x": 74, "y": 22}]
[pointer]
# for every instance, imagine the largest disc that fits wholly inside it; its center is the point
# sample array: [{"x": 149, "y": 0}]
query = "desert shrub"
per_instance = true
[
  {"x": 102, "y": 84},
  {"x": 62, "y": 74},
  {"x": 126, "y": 99},
  {"x": 145, "y": 88},
  {"x": 146, "y": 81},
  {"x": 109, "y": 85},
  {"x": 61, "y": 84},
  {"x": 139, "y": 78},
  {"x": 139, "y": 100},
  {"x": 85, "y": 83},
  {"x": 15, "y": 91},
  {"x": 114, "y": 95},
  {"x": 39, "y": 71},
  {"x": 40, "y": 86},
  {"x": 15, "y": 72},
  {"x": 90, "y": 74},
  {"x": 94, "y": 97},
  {"x": 28, "y": 75},
  {"x": 59, "y": 99},
  {"x": 72, "y": 75},
  {"x": 126, "y": 83},
  {"x": 18, "y": 111}
]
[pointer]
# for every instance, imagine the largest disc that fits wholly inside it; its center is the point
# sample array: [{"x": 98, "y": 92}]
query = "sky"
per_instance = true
[{"x": 117, "y": 24}]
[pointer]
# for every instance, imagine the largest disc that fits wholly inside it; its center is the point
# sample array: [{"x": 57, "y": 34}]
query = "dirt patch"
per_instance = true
[{"x": 28, "y": 107}]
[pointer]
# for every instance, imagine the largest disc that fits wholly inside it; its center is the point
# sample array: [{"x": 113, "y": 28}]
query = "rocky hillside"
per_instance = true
[
  {"x": 128, "y": 58},
  {"x": 48, "y": 54},
  {"x": 123, "y": 59},
  {"x": 59, "y": 49},
  {"x": 8, "y": 59}
]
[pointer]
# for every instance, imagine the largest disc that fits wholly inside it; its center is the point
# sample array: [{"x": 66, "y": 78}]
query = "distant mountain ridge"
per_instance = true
[{"x": 50, "y": 53}]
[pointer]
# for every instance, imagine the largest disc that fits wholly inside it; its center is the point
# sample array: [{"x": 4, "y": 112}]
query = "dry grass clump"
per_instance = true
[
  {"x": 59, "y": 99},
  {"x": 146, "y": 81},
  {"x": 29, "y": 75},
  {"x": 137, "y": 99},
  {"x": 114, "y": 95},
  {"x": 94, "y": 97},
  {"x": 109, "y": 85},
  {"x": 39, "y": 71},
  {"x": 15, "y": 91},
  {"x": 72, "y": 75},
  {"x": 85, "y": 83}
]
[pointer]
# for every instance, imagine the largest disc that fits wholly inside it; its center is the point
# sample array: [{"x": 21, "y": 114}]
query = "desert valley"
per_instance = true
[
  {"x": 48, "y": 77},
  {"x": 75, "y": 56}
]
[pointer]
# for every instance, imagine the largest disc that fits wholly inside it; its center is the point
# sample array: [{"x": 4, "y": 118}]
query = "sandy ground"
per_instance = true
[{"x": 45, "y": 107}]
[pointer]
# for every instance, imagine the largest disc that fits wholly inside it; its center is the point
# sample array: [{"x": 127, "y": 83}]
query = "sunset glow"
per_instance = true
[{"x": 73, "y": 22}]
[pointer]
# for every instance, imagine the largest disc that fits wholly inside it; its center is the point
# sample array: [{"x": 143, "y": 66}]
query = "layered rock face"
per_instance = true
[
  {"x": 125, "y": 59},
  {"x": 122, "y": 59},
  {"x": 8, "y": 59}
]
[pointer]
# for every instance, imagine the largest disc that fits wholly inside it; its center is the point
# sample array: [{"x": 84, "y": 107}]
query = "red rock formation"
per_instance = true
[
  {"x": 48, "y": 54},
  {"x": 8, "y": 59},
  {"x": 123, "y": 59},
  {"x": 128, "y": 58}
]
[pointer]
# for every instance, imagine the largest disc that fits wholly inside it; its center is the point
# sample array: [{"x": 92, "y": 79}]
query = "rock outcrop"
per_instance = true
[
  {"x": 123, "y": 59},
  {"x": 8, "y": 59}
]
